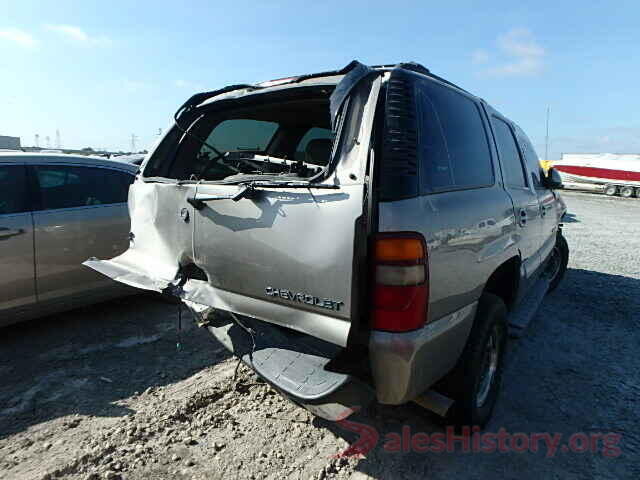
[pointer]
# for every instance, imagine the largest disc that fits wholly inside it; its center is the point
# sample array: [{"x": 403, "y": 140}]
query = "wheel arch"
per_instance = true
[{"x": 504, "y": 282}]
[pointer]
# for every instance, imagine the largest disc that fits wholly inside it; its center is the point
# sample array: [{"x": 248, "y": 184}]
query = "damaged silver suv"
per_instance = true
[{"x": 360, "y": 233}]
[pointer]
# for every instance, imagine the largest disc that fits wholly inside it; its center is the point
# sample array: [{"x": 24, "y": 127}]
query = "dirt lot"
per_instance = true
[{"x": 103, "y": 392}]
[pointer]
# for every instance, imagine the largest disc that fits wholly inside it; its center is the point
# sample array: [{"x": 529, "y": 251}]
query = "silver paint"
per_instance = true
[
  {"x": 299, "y": 237},
  {"x": 404, "y": 365},
  {"x": 42, "y": 264}
]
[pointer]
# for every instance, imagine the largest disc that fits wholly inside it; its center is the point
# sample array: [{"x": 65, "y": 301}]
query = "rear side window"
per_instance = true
[
  {"x": 13, "y": 189},
  {"x": 241, "y": 135},
  {"x": 453, "y": 147},
  {"x": 313, "y": 144},
  {"x": 513, "y": 173},
  {"x": 64, "y": 186},
  {"x": 531, "y": 159}
]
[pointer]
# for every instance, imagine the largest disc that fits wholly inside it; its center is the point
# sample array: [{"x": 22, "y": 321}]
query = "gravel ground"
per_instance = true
[{"x": 103, "y": 392}]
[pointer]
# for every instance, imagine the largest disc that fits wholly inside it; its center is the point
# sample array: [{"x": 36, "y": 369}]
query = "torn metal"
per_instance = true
[{"x": 234, "y": 254}]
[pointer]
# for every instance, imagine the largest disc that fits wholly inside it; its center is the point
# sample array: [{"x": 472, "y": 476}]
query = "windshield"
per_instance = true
[{"x": 286, "y": 140}]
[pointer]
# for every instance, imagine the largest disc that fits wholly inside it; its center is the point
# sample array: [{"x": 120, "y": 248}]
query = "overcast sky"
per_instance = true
[{"x": 100, "y": 71}]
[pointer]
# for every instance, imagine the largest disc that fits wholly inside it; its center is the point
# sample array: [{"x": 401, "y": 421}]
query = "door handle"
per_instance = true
[
  {"x": 523, "y": 217},
  {"x": 10, "y": 232}
]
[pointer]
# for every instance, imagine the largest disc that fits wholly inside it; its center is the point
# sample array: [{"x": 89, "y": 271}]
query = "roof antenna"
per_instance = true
[{"x": 546, "y": 141}]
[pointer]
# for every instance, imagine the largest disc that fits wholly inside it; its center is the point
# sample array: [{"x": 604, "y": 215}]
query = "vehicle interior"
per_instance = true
[{"x": 288, "y": 136}]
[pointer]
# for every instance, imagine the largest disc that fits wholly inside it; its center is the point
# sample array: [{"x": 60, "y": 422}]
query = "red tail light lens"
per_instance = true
[{"x": 401, "y": 289}]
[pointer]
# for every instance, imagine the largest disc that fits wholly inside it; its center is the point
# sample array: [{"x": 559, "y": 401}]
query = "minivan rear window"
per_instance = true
[
  {"x": 453, "y": 147},
  {"x": 63, "y": 186}
]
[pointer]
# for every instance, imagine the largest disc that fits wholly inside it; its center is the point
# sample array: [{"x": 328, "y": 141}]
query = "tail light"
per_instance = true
[{"x": 401, "y": 289}]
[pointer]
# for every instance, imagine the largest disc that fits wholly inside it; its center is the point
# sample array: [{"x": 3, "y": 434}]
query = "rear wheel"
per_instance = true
[
  {"x": 610, "y": 190},
  {"x": 557, "y": 263},
  {"x": 475, "y": 381},
  {"x": 626, "y": 192},
  {"x": 638, "y": 192}
]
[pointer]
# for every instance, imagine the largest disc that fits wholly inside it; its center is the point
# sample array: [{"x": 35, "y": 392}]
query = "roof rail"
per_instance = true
[
  {"x": 198, "y": 98},
  {"x": 419, "y": 68},
  {"x": 440, "y": 79}
]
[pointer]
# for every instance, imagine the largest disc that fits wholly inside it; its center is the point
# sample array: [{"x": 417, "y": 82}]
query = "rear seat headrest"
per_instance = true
[{"x": 318, "y": 151}]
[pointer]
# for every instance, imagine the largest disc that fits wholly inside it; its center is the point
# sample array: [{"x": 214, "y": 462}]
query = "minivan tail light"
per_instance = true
[{"x": 401, "y": 284}]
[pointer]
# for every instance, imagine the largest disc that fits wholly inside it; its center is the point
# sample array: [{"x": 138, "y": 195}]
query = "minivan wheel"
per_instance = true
[
  {"x": 557, "y": 263},
  {"x": 475, "y": 381}
]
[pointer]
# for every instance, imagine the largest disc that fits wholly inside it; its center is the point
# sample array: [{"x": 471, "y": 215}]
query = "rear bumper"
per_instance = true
[
  {"x": 404, "y": 365},
  {"x": 137, "y": 270}
]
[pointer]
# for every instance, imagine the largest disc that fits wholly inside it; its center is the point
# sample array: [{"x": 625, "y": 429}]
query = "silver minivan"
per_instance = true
[
  {"x": 366, "y": 232},
  {"x": 55, "y": 211}
]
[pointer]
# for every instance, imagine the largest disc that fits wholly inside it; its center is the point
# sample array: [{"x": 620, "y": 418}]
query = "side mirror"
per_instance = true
[{"x": 553, "y": 180}]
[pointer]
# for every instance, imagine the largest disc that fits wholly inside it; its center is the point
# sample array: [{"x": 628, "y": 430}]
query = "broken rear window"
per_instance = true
[{"x": 286, "y": 139}]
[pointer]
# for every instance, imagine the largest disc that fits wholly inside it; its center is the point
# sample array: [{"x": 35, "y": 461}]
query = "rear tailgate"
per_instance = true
[{"x": 282, "y": 255}]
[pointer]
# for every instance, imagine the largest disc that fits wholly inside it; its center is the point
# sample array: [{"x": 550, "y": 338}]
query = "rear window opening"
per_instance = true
[{"x": 287, "y": 139}]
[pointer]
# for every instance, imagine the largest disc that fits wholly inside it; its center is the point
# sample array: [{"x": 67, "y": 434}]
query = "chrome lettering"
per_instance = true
[{"x": 301, "y": 297}]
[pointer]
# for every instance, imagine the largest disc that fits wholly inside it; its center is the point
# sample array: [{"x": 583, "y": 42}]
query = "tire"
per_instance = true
[
  {"x": 626, "y": 192},
  {"x": 638, "y": 192},
  {"x": 557, "y": 270},
  {"x": 610, "y": 190},
  {"x": 474, "y": 394}
]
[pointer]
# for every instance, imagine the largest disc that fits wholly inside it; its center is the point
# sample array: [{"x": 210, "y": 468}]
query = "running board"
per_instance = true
[
  {"x": 435, "y": 402},
  {"x": 520, "y": 317}
]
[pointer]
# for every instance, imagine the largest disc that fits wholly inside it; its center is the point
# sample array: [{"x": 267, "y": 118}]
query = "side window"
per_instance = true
[
  {"x": 64, "y": 186},
  {"x": 531, "y": 159},
  {"x": 514, "y": 175},
  {"x": 454, "y": 151},
  {"x": 13, "y": 189},
  {"x": 241, "y": 134},
  {"x": 229, "y": 137},
  {"x": 315, "y": 140}
]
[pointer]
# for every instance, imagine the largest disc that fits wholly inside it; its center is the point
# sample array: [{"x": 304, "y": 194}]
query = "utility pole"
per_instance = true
[
  {"x": 133, "y": 142},
  {"x": 546, "y": 141}
]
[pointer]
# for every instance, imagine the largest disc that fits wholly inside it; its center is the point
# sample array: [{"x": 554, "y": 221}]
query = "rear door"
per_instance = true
[
  {"x": 17, "y": 282},
  {"x": 525, "y": 200},
  {"x": 546, "y": 197},
  {"x": 82, "y": 212}
]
